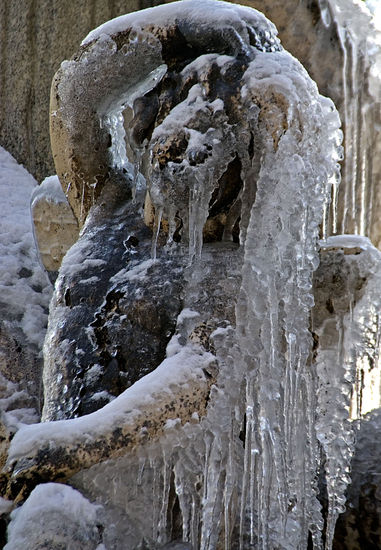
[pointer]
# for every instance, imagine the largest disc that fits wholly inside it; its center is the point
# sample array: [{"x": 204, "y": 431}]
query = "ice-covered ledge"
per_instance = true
[{"x": 176, "y": 392}]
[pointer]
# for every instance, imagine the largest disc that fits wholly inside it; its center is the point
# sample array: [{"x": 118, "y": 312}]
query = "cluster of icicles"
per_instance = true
[{"x": 246, "y": 476}]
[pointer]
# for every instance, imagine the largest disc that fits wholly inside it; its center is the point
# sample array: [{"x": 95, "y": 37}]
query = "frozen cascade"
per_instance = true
[
  {"x": 272, "y": 326},
  {"x": 265, "y": 496},
  {"x": 361, "y": 51}
]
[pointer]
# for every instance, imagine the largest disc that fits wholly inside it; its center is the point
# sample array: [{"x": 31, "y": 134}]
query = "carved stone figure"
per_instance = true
[{"x": 197, "y": 157}]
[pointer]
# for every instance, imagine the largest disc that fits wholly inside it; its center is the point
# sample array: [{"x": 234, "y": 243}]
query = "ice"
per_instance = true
[
  {"x": 70, "y": 518},
  {"x": 361, "y": 50},
  {"x": 273, "y": 311},
  {"x": 245, "y": 473},
  {"x": 228, "y": 15}
]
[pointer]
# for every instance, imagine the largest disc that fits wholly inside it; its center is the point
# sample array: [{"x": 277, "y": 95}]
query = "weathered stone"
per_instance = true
[
  {"x": 16, "y": 407},
  {"x": 35, "y": 37},
  {"x": 54, "y": 224},
  {"x": 90, "y": 93},
  {"x": 137, "y": 417}
]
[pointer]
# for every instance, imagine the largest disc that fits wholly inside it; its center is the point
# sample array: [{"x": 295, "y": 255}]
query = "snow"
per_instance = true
[
  {"x": 24, "y": 288},
  {"x": 52, "y": 510},
  {"x": 178, "y": 369},
  {"x": 374, "y": 7},
  {"x": 347, "y": 241},
  {"x": 133, "y": 273},
  {"x": 50, "y": 189}
]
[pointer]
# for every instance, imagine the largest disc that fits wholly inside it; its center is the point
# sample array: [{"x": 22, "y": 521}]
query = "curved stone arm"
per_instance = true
[
  {"x": 175, "y": 391},
  {"x": 123, "y": 60}
]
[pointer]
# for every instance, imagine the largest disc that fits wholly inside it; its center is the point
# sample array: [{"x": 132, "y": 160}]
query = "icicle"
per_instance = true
[
  {"x": 156, "y": 231},
  {"x": 162, "y": 521}
]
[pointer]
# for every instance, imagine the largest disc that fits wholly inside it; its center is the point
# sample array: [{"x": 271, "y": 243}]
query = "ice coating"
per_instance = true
[
  {"x": 228, "y": 15},
  {"x": 240, "y": 151},
  {"x": 360, "y": 43}
]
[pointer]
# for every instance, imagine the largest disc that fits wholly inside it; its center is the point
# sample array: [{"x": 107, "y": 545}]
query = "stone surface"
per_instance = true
[
  {"x": 360, "y": 526},
  {"x": 115, "y": 309},
  {"x": 35, "y": 37},
  {"x": 54, "y": 225}
]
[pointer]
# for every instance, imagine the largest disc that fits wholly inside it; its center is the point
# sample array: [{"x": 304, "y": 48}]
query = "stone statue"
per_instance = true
[{"x": 197, "y": 157}]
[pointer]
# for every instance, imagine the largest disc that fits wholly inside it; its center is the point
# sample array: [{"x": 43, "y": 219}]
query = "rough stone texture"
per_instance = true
[
  {"x": 16, "y": 405},
  {"x": 50, "y": 455},
  {"x": 114, "y": 310},
  {"x": 360, "y": 526},
  {"x": 114, "y": 330},
  {"x": 98, "y": 82}
]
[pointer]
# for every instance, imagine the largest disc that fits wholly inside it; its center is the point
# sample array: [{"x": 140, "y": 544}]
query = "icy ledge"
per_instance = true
[{"x": 178, "y": 388}]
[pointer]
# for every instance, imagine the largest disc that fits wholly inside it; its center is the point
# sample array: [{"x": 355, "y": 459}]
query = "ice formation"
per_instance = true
[
  {"x": 360, "y": 111},
  {"x": 347, "y": 331},
  {"x": 237, "y": 149}
]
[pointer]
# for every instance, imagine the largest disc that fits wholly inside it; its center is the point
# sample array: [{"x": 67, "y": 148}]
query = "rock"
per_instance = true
[
  {"x": 54, "y": 224},
  {"x": 17, "y": 407},
  {"x": 360, "y": 525},
  {"x": 162, "y": 49},
  {"x": 109, "y": 322},
  {"x": 54, "y": 517}
]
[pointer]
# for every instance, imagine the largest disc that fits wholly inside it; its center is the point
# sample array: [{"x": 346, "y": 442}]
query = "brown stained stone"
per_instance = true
[
  {"x": 55, "y": 227},
  {"x": 62, "y": 460}
]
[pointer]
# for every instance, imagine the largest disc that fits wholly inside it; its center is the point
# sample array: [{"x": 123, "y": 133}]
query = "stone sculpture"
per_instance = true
[{"x": 198, "y": 159}]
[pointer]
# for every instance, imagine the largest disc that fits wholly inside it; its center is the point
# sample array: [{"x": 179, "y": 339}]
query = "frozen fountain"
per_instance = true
[{"x": 203, "y": 185}]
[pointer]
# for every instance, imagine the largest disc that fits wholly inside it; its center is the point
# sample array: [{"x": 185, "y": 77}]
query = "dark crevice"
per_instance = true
[
  {"x": 224, "y": 199},
  {"x": 174, "y": 515}
]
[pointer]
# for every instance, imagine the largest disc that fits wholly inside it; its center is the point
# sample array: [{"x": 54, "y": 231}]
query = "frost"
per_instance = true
[{"x": 54, "y": 514}]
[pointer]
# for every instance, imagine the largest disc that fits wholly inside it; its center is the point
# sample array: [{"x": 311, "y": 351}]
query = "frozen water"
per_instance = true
[
  {"x": 360, "y": 44},
  {"x": 347, "y": 356}
]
